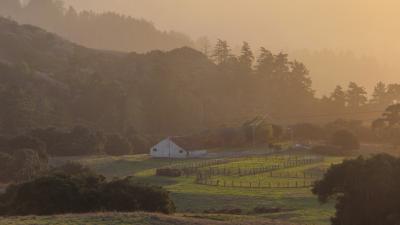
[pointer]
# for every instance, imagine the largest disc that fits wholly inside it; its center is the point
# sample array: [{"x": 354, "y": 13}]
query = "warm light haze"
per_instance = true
[
  {"x": 368, "y": 28},
  {"x": 200, "y": 112}
]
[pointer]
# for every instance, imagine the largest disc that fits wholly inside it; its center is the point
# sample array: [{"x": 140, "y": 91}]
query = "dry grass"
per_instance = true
[{"x": 137, "y": 219}]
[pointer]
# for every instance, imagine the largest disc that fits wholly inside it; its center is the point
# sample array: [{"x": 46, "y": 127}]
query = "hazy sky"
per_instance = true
[{"x": 364, "y": 26}]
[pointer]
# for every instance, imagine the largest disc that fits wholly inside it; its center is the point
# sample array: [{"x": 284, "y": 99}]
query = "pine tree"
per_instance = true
[
  {"x": 246, "y": 58},
  {"x": 379, "y": 95},
  {"x": 222, "y": 52},
  {"x": 356, "y": 95},
  {"x": 265, "y": 62},
  {"x": 393, "y": 94},
  {"x": 338, "y": 97}
]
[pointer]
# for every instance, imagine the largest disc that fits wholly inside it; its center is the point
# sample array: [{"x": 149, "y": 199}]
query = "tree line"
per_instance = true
[
  {"x": 60, "y": 84},
  {"x": 25, "y": 157}
]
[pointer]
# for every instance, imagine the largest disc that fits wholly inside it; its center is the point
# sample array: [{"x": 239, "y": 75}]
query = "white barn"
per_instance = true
[{"x": 177, "y": 147}]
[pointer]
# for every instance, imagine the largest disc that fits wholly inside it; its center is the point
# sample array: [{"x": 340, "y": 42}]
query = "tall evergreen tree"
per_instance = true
[
  {"x": 356, "y": 95},
  {"x": 222, "y": 52},
  {"x": 265, "y": 62},
  {"x": 338, "y": 97},
  {"x": 246, "y": 58},
  {"x": 379, "y": 96},
  {"x": 393, "y": 94}
]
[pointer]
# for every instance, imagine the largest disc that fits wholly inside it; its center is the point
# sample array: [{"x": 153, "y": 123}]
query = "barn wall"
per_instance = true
[{"x": 166, "y": 149}]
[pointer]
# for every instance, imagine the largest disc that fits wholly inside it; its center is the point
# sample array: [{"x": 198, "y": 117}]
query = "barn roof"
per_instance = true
[{"x": 189, "y": 143}]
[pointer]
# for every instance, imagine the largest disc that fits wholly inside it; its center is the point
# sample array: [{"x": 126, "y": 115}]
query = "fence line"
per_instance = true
[
  {"x": 257, "y": 170},
  {"x": 257, "y": 185},
  {"x": 206, "y": 177}
]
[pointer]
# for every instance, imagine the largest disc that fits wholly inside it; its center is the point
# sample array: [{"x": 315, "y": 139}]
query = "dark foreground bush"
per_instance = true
[
  {"x": 61, "y": 193},
  {"x": 169, "y": 172},
  {"x": 366, "y": 190}
]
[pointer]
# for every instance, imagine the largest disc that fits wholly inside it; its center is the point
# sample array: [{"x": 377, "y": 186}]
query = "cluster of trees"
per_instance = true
[
  {"x": 316, "y": 132},
  {"x": 84, "y": 141},
  {"x": 365, "y": 191},
  {"x": 76, "y": 189},
  {"x": 96, "y": 30},
  {"x": 356, "y": 97},
  {"x": 21, "y": 158},
  {"x": 387, "y": 128},
  {"x": 257, "y": 132},
  {"x": 25, "y": 157}
]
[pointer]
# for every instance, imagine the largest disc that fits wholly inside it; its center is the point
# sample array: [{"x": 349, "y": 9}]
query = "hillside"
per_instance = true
[
  {"x": 54, "y": 82},
  {"x": 96, "y": 30},
  {"x": 50, "y": 81}
]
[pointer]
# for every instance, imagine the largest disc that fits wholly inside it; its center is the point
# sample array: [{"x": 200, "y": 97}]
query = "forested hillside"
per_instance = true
[
  {"x": 49, "y": 81},
  {"x": 96, "y": 30}
]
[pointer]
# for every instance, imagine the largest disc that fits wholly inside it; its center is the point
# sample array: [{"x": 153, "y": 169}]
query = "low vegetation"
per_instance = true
[{"x": 74, "y": 189}]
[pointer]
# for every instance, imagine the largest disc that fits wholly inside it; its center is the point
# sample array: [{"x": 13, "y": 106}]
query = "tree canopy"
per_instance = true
[{"x": 365, "y": 191}]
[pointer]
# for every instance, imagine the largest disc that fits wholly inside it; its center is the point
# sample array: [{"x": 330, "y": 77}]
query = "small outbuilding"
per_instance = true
[{"x": 179, "y": 148}]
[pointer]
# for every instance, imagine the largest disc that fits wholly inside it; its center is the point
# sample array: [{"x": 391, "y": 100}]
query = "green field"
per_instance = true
[{"x": 298, "y": 205}]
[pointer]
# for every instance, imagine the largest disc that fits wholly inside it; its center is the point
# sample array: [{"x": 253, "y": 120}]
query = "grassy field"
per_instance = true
[
  {"x": 298, "y": 205},
  {"x": 137, "y": 219}
]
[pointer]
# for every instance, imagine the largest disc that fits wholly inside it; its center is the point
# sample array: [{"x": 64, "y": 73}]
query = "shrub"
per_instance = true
[
  {"x": 43, "y": 196},
  {"x": 169, "y": 172},
  {"x": 345, "y": 139},
  {"x": 121, "y": 195},
  {"x": 82, "y": 193}
]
